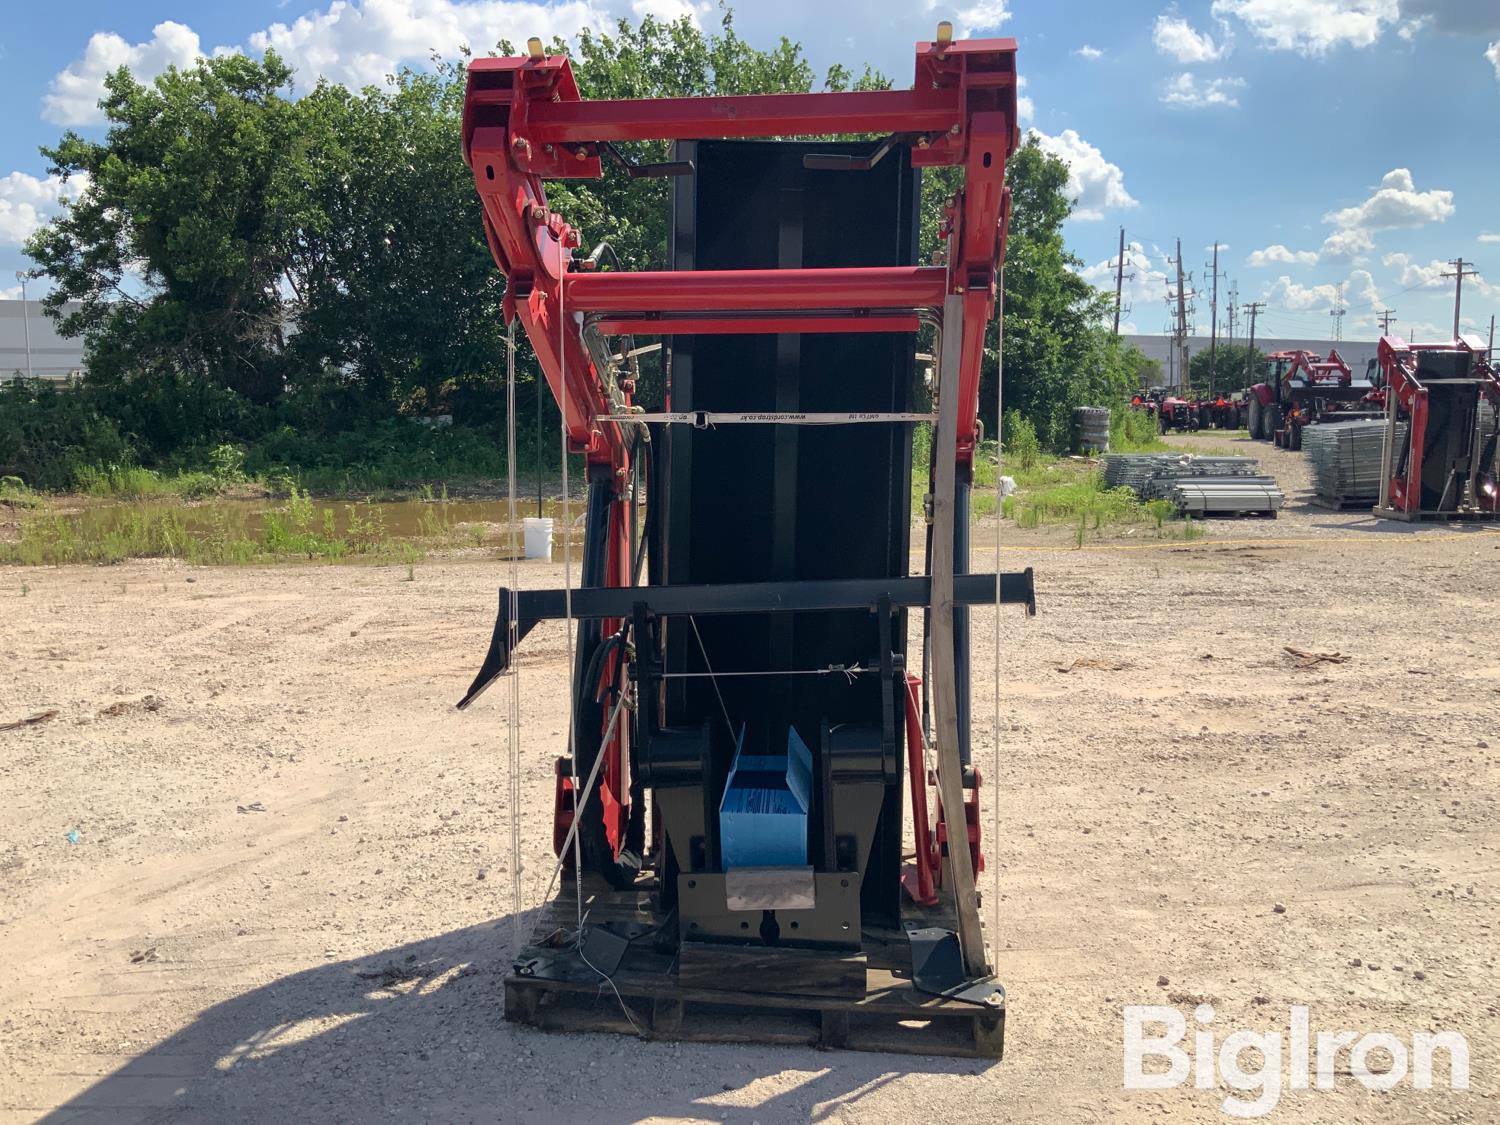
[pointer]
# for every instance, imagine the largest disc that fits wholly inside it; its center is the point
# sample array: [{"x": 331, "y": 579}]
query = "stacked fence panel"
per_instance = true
[
  {"x": 1346, "y": 460},
  {"x": 1196, "y": 485}
]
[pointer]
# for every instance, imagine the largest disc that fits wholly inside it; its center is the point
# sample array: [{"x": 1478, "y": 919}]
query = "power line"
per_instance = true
[
  {"x": 1252, "y": 309},
  {"x": 1213, "y": 323},
  {"x": 1458, "y": 276},
  {"x": 1120, "y": 279},
  {"x": 1181, "y": 331}
]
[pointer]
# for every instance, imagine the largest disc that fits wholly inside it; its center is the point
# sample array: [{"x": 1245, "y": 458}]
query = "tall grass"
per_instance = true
[
  {"x": 295, "y": 531},
  {"x": 1134, "y": 431},
  {"x": 1083, "y": 499}
]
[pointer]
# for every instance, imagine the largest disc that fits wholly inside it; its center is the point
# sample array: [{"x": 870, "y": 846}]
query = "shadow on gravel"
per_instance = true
[{"x": 415, "y": 1033}]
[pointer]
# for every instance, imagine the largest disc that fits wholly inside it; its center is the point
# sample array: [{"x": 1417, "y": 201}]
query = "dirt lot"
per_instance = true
[{"x": 272, "y": 796}]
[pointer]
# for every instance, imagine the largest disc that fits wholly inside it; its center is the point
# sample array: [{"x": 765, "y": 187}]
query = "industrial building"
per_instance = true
[
  {"x": 29, "y": 343},
  {"x": 1356, "y": 353}
]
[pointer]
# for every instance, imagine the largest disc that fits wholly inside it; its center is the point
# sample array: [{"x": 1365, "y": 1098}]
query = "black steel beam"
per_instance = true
[
  {"x": 769, "y": 597},
  {"x": 532, "y": 606}
]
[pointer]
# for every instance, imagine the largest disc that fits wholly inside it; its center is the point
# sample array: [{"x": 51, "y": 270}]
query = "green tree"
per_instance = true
[
  {"x": 1059, "y": 352},
  {"x": 181, "y": 247},
  {"x": 253, "y": 267},
  {"x": 398, "y": 298},
  {"x": 1229, "y": 368}
]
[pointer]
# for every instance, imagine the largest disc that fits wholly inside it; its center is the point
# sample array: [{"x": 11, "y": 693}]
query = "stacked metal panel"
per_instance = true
[
  {"x": 1195, "y": 485},
  {"x": 1226, "y": 495},
  {"x": 1346, "y": 459}
]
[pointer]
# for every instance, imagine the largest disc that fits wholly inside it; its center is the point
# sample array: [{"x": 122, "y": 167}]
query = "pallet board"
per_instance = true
[
  {"x": 1437, "y": 517},
  {"x": 561, "y": 993}
]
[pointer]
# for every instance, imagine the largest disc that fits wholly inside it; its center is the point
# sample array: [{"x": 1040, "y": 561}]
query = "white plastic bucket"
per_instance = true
[{"x": 538, "y": 534}]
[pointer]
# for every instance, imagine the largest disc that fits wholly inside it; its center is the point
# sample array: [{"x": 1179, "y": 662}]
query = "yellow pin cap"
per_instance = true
[
  {"x": 534, "y": 49},
  {"x": 945, "y": 33}
]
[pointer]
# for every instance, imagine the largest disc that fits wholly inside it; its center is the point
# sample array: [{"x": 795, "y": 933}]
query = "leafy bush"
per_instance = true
[
  {"x": 1134, "y": 431},
  {"x": 1021, "y": 444}
]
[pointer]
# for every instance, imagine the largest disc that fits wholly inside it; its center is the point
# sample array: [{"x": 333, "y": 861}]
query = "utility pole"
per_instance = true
[
  {"x": 1491, "y": 348},
  {"x": 1234, "y": 296},
  {"x": 1213, "y": 324},
  {"x": 1119, "y": 279},
  {"x": 1337, "y": 312},
  {"x": 1252, "y": 308},
  {"x": 1386, "y": 317},
  {"x": 1458, "y": 274},
  {"x": 1181, "y": 333},
  {"x": 26, "y": 320}
]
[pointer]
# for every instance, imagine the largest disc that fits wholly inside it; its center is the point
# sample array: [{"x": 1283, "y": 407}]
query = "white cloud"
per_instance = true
[
  {"x": 1186, "y": 92},
  {"x": 1279, "y": 253},
  {"x": 1409, "y": 29},
  {"x": 1455, "y": 17},
  {"x": 1414, "y": 275},
  {"x": 27, "y": 202},
  {"x": 356, "y": 44},
  {"x": 1346, "y": 246},
  {"x": 1396, "y": 203},
  {"x": 1357, "y": 295},
  {"x": 1143, "y": 285},
  {"x": 1361, "y": 290},
  {"x": 1025, "y": 107},
  {"x": 11, "y": 293},
  {"x": 670, "y": 11},
  {"x": 980, "y": 15},
  {"x": 1176, "y": 37},
  {"x": 1493, "y": 54},
  {"x": 1488, "y": 237},
  {"x": 1094, "y": 184},
  {"x": 1312, "y": 27},
  {"x": 361, "y": 45},
  {"x": 1289, "y": 295},
  {"x": 1089, "y": 53},
  {"x": 72, "y": 97}
]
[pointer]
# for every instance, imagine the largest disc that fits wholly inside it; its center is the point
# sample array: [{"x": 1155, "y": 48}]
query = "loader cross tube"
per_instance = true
[
  {"x": 525, "y": 121},
  {"x": 522, "y": 610}
]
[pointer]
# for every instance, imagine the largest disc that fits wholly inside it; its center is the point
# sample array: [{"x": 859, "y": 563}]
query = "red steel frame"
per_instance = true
[
  {"x": 1398, "y": 363},
  {"x": 525, "y": 122}
]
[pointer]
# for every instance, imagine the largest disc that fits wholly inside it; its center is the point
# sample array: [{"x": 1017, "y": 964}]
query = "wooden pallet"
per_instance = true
[
  {"x": 1342, "y": 505},
  {"x": 561, "y": 993},
  {"x": 1437, "y": 517}
]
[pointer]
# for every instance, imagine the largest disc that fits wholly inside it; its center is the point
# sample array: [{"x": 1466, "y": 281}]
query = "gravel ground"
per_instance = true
[{"x": 288, "y": 895}]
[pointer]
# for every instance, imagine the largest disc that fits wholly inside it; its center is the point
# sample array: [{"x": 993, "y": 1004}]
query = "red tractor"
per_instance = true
[
  {"x": 1176, "y": 413},
  {"x": 1304, "y": 390},
  {"x": 1222, "y": 412}
]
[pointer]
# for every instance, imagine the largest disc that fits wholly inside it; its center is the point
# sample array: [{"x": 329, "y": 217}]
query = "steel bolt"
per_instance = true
[
  {"x": 538, "y": 214},
  {"x": 955, "y": 129}
]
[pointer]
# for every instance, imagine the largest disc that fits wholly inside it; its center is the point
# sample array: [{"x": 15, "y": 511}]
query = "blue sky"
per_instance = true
[{"x": 1321, "y": 142}]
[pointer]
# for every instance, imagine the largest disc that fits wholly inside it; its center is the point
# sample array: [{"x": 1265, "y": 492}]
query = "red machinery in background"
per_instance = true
[
  {"x": 1305, "y": 389},
  {"x": 1442, "y": 406}
]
